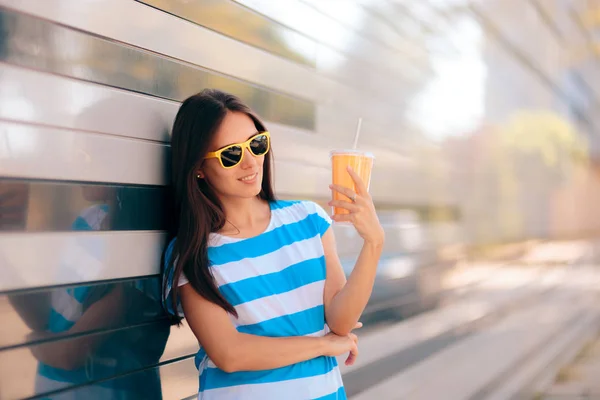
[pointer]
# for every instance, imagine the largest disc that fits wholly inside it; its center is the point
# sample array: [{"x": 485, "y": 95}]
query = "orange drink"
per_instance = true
[{"x": 360, "y": 161}]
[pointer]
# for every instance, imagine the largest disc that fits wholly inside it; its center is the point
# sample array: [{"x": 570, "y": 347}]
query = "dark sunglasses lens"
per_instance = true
[
  {"x": 259, "y": 145},
  {"x": 231, "y": 156}
]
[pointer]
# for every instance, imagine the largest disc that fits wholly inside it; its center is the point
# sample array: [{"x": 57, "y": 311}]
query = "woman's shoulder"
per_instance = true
[
  {"x": 291, "y": 211},
  {"x": 305, "y": 207}
]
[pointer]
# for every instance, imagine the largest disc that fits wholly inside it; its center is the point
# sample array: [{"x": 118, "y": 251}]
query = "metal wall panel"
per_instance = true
[
  {"x": 63, "y": 258},
  {"x": 29, "y": 151},
  {"x": 226, "y": 17},
  {"x": 165, "y": 34},
  {"x": 27, "y": 313},
  {"x": 32, "y": 206},
  {"x": 305, "y": 19},
  {"x": 55, "y": 338},
  {"x": 47, "y": 99},
  {"x": 101, "y": 61}
]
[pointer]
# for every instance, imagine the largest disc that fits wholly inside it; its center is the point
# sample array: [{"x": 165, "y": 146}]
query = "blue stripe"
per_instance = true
[
  {"x": 81, "y": 224},
  {"x": 339, "y": 395},
  {"x": 80, "y": 293},
  {"x": 168, "y": 272},
  {"x": 264, "y": 244},
  {"x": 76, "y": 376},
  {"x": 297, "y": 324},
  {"x": 199, "y": 357},
  {"x": 293, "y": 277},
  {"x": 279, "y": 204},
  {"x": 214, "y": 378},
  {"x": 322, "y": 224}
]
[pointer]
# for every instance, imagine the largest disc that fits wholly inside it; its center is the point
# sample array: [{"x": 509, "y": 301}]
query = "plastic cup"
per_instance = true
[{"x": 360, "y": 161}]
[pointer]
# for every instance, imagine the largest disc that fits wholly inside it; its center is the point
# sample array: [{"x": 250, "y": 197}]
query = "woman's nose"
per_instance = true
[{"x": 249, "y": 160}]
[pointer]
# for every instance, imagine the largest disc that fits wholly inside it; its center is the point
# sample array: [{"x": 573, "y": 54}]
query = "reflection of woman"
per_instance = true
[
  {"x": 82, "y": 360},
  {"x": 260, "y": 282}
]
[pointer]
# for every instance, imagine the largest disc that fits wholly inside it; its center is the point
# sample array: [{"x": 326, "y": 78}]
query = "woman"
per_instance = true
[{"x": 257, "y": 279}]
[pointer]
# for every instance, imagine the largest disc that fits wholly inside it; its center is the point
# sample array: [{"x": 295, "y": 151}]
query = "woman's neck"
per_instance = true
[{"x": 245, "y": 217}]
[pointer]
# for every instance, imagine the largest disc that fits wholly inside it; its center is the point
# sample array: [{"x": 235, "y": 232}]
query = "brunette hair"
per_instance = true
[{"x": 197, "y": 210}]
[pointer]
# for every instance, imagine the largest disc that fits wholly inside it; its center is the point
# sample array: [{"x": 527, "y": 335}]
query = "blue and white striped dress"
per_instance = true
[{"x": 275, "y": 281}]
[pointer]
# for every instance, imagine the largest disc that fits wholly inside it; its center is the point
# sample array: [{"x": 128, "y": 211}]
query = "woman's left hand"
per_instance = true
[{"x": 362, "y": 211}]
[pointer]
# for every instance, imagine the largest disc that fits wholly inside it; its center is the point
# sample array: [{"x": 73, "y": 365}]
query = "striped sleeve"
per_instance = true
[
  {"x": 167, "y": 276},
  {"x": 322, "y": 219}
]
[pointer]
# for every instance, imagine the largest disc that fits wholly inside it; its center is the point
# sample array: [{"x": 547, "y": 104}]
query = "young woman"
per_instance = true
[{"x": 258, "y": 280}]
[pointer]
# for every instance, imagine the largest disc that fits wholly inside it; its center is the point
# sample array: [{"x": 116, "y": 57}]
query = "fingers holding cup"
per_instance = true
[{"x": 351, "y": 169}]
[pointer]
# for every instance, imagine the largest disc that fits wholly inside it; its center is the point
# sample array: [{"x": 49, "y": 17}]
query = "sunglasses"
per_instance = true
[{"x": 232, "y": 155}]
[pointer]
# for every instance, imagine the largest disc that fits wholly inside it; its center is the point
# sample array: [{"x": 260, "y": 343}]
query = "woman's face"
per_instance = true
[{"x": 243, "y": 180}]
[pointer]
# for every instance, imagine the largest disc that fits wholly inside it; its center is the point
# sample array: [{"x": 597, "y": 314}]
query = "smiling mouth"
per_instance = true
[{"x": 249, "y": 177}]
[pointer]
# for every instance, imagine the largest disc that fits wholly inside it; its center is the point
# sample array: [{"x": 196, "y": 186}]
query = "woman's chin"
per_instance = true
[{"x": 250, "y": 189}]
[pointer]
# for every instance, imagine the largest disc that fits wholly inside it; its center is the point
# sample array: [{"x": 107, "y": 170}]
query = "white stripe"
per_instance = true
[
  {"x": 279, "y": 217},
  {"x": 319, "y": 333},
  {"x": 266, "y": 308},
  {"x": 288, "y": 215},
  {"x": 275, "y": 261},
  {"x": 296, "y": 389},
  {"x": 66, "y": 305}
]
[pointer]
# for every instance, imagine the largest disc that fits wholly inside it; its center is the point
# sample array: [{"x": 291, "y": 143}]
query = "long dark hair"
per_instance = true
[{"x": 197, "y": 209}]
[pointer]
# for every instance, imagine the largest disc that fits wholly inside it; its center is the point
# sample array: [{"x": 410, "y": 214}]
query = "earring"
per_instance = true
[{"x": 198, "y": 176}]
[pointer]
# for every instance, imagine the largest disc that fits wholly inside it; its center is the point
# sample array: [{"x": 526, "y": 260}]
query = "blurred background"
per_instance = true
[{"x": 484, "y": 119}]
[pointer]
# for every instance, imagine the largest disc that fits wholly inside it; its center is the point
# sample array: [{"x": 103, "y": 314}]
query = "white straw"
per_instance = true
[{"x": 357, "y": 134}]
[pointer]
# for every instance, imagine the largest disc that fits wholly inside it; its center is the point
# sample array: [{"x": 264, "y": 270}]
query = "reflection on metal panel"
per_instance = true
[
  {"x": 59, "y": 207},
  {"x": 28, "y": 312},
  {"x": 161, "y": 33},
  {"x": 38, "y": 44},
  {"x": 47, "y": 259},
  {"x": 177, "y": 379},
  {"x": 247, "y": 26},
  {"x": 48, "y": 99},
  {"x": 240, "y": 23},
  {"x": 74, "y": 341},
  {"x": 36, "y": 152},
  {"x": 311, "y": 22}
]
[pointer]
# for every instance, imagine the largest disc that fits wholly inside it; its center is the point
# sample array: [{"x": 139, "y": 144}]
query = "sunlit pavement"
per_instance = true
[{"x": 509, "y": 326}]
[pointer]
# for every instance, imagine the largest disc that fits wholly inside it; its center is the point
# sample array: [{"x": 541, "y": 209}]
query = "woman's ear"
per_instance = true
[{"x": 199, "y": 174}]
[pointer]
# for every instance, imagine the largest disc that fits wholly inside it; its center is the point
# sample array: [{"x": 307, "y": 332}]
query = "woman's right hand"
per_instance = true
[{"x": 338, "y": 345}]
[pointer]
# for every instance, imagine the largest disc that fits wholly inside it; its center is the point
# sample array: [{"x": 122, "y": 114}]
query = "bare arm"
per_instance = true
[
  {"x": 345, "y": 301},
  {"x": 233, "y": 351},
  {"x": 71, "y": 354}
]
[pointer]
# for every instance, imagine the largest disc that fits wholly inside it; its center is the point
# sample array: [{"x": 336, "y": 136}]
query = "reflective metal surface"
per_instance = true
[
  {"x": 303, "y": 18},
  {"x": 47, "y": 99},
  {"x": 58, "y": 207},
  {"x": 29, "y": 151},
  {"x": 482, "y": 116},
  {"x": 78, "y": 335},
  {"x": 226, "y": 17},
  {"x": 44, "y": 259},
  {"x": 34, "y": 43},
  {"x": 210, "y": 50},
  {"x": 28, "y": 312}
]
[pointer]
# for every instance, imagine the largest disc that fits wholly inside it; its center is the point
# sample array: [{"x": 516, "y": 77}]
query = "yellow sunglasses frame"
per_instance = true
[{"x": 245, "y": 146}]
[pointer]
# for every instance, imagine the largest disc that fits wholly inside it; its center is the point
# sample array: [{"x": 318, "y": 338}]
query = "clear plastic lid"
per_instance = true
[{"x": 350, "y": 152}]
